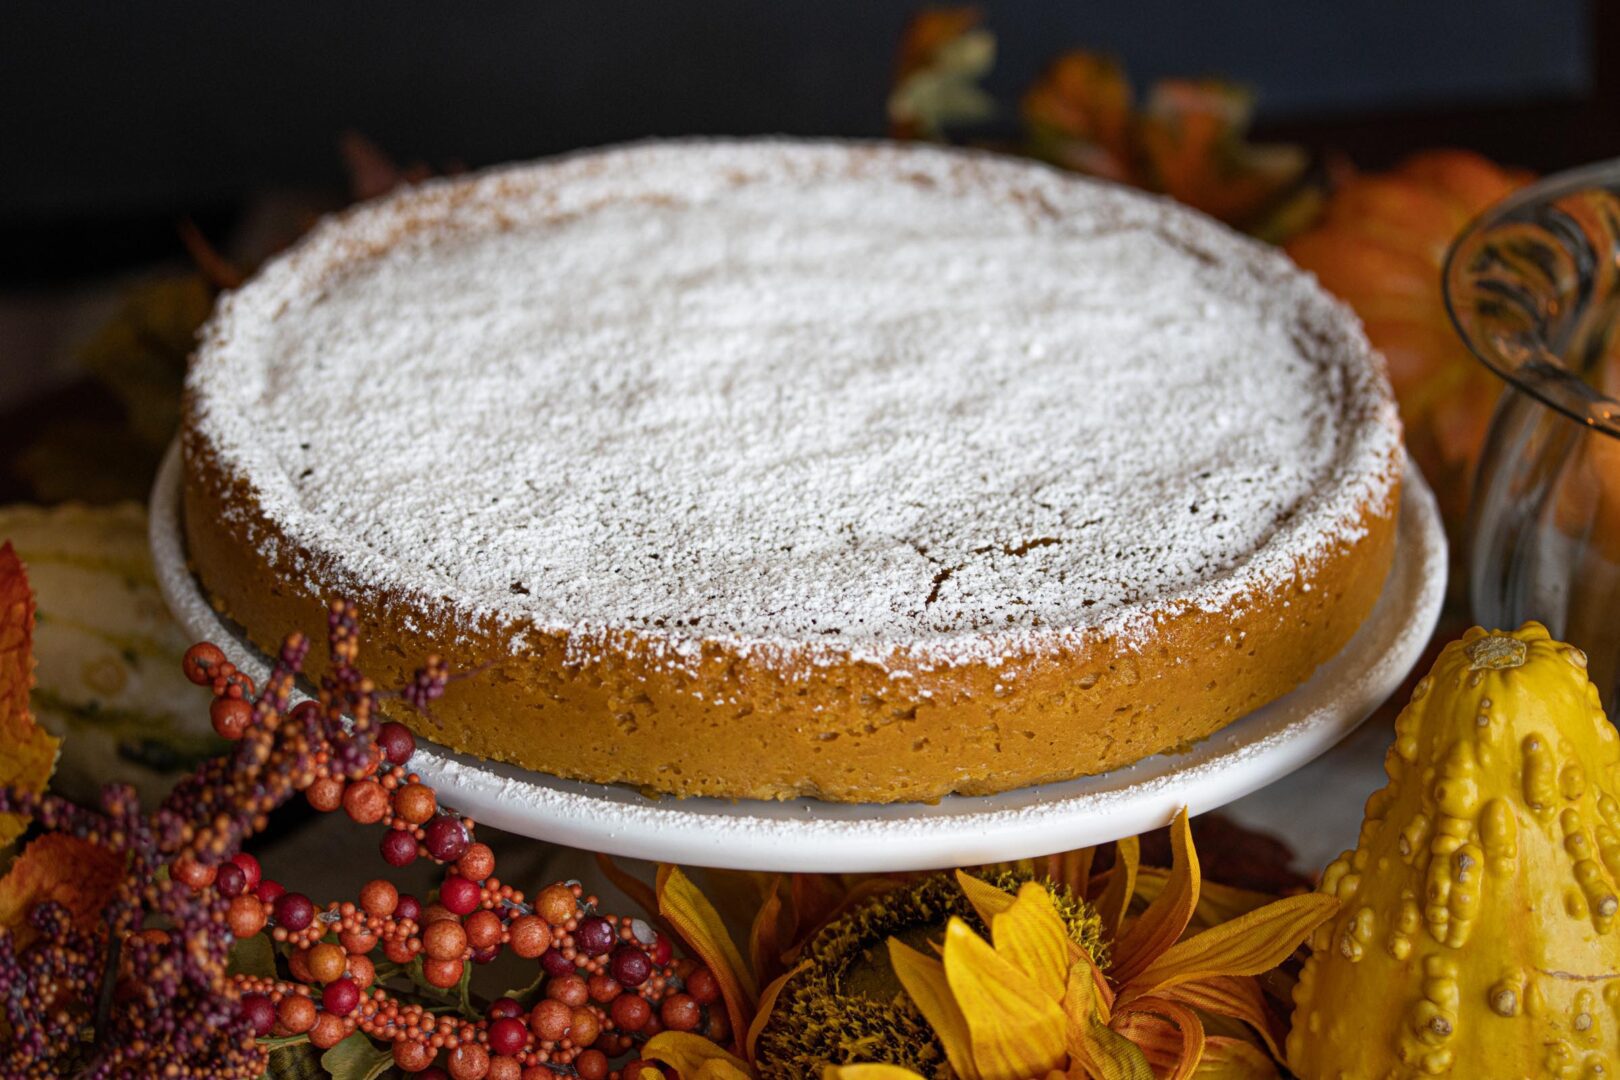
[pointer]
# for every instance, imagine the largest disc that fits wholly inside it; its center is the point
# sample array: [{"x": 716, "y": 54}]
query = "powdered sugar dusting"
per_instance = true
[{"x": 902, "y": 404}]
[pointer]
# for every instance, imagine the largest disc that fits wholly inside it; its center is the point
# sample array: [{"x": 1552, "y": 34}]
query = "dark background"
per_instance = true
[{"x": 117, "y": 118}]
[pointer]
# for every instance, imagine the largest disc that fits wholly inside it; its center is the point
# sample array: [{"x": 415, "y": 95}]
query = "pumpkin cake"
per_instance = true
[{"x": 774, "y": 468}]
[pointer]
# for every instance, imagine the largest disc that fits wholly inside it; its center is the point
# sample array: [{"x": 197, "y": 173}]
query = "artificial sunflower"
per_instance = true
[{"x": 1016, "y": 972}]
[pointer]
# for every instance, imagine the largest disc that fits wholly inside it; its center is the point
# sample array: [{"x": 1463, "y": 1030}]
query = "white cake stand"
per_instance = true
[{"x": 810, "y": 835}]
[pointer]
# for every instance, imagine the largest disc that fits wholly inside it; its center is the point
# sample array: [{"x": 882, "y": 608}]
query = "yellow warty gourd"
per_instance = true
[{"x": 1477, "y": 935}]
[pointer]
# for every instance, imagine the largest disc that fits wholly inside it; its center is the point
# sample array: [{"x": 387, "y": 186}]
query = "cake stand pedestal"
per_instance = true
[{"x": 808, "y": 835}]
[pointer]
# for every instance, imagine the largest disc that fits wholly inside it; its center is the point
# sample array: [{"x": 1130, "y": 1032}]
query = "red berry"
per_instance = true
[
  {"x": 591, "y": 1065},
  {"x": 460, "y": 895},
  {"x": 556, "y": 964},
  {"x": 702, "y": 986},
  {"x": 340, "y": 997},
  {"x": 486, "y": 956},
  {"x": 630, "y": 965},
  {"x": 260, "y": 1012},
  {"x": 230, "y": 881},
  {"x": 294, "y": 911},
  {"x": 630, "y": 1012},
  {"x": 396, "y": 742},
  {"x": 408, "y": 907},
  {"x": 504, "y": 1007},
  {"x": 250, "y": 868},
  {"x": 508, "y": 1035},
  {"x": 200, "y": 662},
  {"x": 433, "y": 1073},
  {"x": 680, "y": 1013},
  {"x": 594, "y": 936},
  {"x": 446, "y": 838},
  {"x": 231, "y": 717},
  {"x": 662, "y": 952},
  {"x": 269, "y": 891},
  {"x": 398, "y": 848}
]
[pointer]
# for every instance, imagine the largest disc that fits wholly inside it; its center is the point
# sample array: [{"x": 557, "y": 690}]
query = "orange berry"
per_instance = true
[
  {"x": 551, "y": 1020},
  {"x": 483, "y": 929},
  {"x": 416, "y": 803},
  {"x": 469, "y": 1061},
  {"x": 329, "y": 1030},
  {"x": 584, "y": 1027},
  {"x": 297, "y": 1013},
  {"x": 245, "y": 916},
  {"x": 327, "y": 962},
  {"x": 325, "y": 794},
  {"x": 442, "y": 973},
  {"x": 379, "y": 897},
  {"x": 365, "y": 801},
  {"x": 556, "y": 904},
  {"x": 362, "y": 970},
  {"x": 476, "y": 863},
  {"x": 530, "y": 936},
  {"x": 444, "y": 940}
]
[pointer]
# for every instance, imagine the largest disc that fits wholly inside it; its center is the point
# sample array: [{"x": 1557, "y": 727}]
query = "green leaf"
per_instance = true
[
  {"x": 357, "y": 1058},
  {"x": 292, "y": 1058},
  {"x": 254, "y": 956},
  {"x": 527, "y": 995}
]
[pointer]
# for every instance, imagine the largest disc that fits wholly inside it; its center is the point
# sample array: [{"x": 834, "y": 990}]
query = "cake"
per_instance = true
[{"x": 763, "y": 469}]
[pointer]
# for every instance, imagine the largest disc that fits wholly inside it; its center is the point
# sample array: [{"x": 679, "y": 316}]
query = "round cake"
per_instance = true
[{"x": 765, "y": 469}]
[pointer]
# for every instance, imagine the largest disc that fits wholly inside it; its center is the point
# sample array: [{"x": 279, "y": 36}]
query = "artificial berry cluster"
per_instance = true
[{"x": 604, "y": 983}]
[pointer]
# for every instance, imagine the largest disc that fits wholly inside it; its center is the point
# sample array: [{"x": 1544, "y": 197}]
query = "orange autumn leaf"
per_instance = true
[
  {"x": 27, "y": 751},
  {"x": 1080, "y": 116},
  {"x": 75, "y": 873},
  {"x": 1192, "y": 139}
]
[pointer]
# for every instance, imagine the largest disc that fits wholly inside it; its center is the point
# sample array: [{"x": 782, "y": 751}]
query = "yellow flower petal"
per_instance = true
[
  {"x": 986, "y": 899},
  {"x": 1031, "y": 936},
  {"x": 926, "y": 985},
  {"x": 1248, "y": 945},
  {"x": 1217, "y": 903},
  {"x": 694, "y": 1056},
  {"x": 1166, "y": 918},
  {"x": 1116, "y": 897},
  {"x": 1017, "y": 1030},
  {"x": 867, "y": 1072},
  {"x": 700, "y": 926},
  {"x": 1234, "y": 1059},
  {"x": 767, "y": 1002},
  {"x": 1097, "y": 1050}
]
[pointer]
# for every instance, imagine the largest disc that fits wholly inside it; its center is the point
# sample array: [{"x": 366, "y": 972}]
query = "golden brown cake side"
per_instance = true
[{"x": 743, "y": 727}]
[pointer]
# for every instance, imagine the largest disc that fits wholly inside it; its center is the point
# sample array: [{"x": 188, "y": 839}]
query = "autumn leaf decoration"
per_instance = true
[
  {"x": 27, "y": 751},
  {"x": 1028, "y": 1002},
  {"x": 944, "y": 52},
  {"x": 1188, "y": 139}
]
